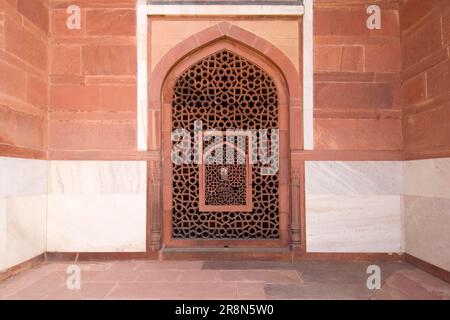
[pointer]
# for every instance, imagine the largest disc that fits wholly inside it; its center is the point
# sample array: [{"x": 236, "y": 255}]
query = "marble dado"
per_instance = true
[
  {"x": 22, "y": 177},
  {"x": 25, "y": 228},
  {"x": 97, "y": 206},
  {"x": 380, "y": 207},
  {"x": 354, "y": 177},
  {"x": 428, "y": 178},
  {"x": 3, "y": 233},
  {"x": 96, "y": 223},
  {"x": 427, "y": 210},
  {"x": 427, "y": 229},
  {"x": 354, "y": 206},
  {"x": 100, "y": 206},
  {"x": 97, "y": 177},
  {"x": 427, "y": 235},
  {"x": 354, "y": 223},
  {"x": 70, "y": 206},
  {"x": 23, "y": 210}
]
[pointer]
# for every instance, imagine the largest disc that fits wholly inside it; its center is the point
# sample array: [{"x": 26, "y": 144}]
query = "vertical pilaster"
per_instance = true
[
  {"x": 154, "y": 205},
  {"x": 296, "y": 204}
]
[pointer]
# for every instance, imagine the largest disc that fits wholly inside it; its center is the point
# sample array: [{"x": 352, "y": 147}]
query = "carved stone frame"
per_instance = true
[
  {"x": 287, "y": 80},
  {"x": 248, "y": 207}
]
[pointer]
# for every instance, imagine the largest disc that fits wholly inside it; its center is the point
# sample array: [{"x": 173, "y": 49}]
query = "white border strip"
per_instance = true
[
  {"x": 143, "y": 10},
  {"x": 221, "y": 10},
  {"x": 308, "y": 76},
  {"x": 142, "y": 74}
]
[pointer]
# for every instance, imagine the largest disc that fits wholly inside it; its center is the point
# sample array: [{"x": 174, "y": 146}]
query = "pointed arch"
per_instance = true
[
  {"x": 245, "y": 43},
  {"x": 225, "y": 36}
]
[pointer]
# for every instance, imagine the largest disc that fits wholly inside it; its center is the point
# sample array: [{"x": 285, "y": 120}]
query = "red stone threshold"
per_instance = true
[
  {"x": 428, "y": 267},
  {"x": 228, "y": 254},
  {"x": 270, "y": 254}
]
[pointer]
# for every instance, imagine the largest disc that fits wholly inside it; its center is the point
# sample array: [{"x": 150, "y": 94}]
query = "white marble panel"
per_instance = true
[
  {"x": 142, "y": 75},
  {"x": 336, "y": 223},
  {"x": 97, "y": 177},
  {"x": 308, "y": 76},
  {"x": 220, "y": 10},
  {"x": 22, "y": 177},
  {"x": 419, "y": 178},
  {"x": 428, "y": 178},
  {"x": 25, "y": 228},
  {"x": 427, "y": 229},
  {"x": 354, "y": 177},
  {"x": 3, "y": 215},
  {"x": 96, "y": 223},
  {"x": 442, "y": 177}
]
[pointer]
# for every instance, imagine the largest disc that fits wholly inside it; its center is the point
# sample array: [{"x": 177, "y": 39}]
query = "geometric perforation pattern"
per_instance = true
[
  {"x": 224, "y": 91},
  {"x": 225, "y": 184}
]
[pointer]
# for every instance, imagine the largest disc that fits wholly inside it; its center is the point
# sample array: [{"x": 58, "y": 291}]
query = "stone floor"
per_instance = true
[{"x": 224, "y": 280}]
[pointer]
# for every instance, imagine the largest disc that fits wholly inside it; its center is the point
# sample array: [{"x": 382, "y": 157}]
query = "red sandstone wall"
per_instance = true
[
  {"x": 92, "y": 103},
  {"x": 425, "y": 27},
  {"x": 23, "y": 77},
  {"x": 357, "y": 86},
  {"x": 92, "y": 79}
]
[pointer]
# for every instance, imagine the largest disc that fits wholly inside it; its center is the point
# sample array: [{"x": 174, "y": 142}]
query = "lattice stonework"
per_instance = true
[
  {"x": 224, "y": 91},
  {"x": 225, "y": 185}
]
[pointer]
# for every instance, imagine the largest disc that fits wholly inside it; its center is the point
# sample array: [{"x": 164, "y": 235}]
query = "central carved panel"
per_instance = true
[
  {"x": 225, "y": 185},
  {"x": 231, "y": 200}
]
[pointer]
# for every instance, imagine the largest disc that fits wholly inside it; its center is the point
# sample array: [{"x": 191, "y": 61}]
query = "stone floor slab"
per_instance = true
[
  {"x": 265, "y": 276},
  {"x": 177, "y": 291},
  {"x": 214, "y": 280}
]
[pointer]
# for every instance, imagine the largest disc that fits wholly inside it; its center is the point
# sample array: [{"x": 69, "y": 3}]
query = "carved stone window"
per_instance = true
[{"x": 224, "y": 91}]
